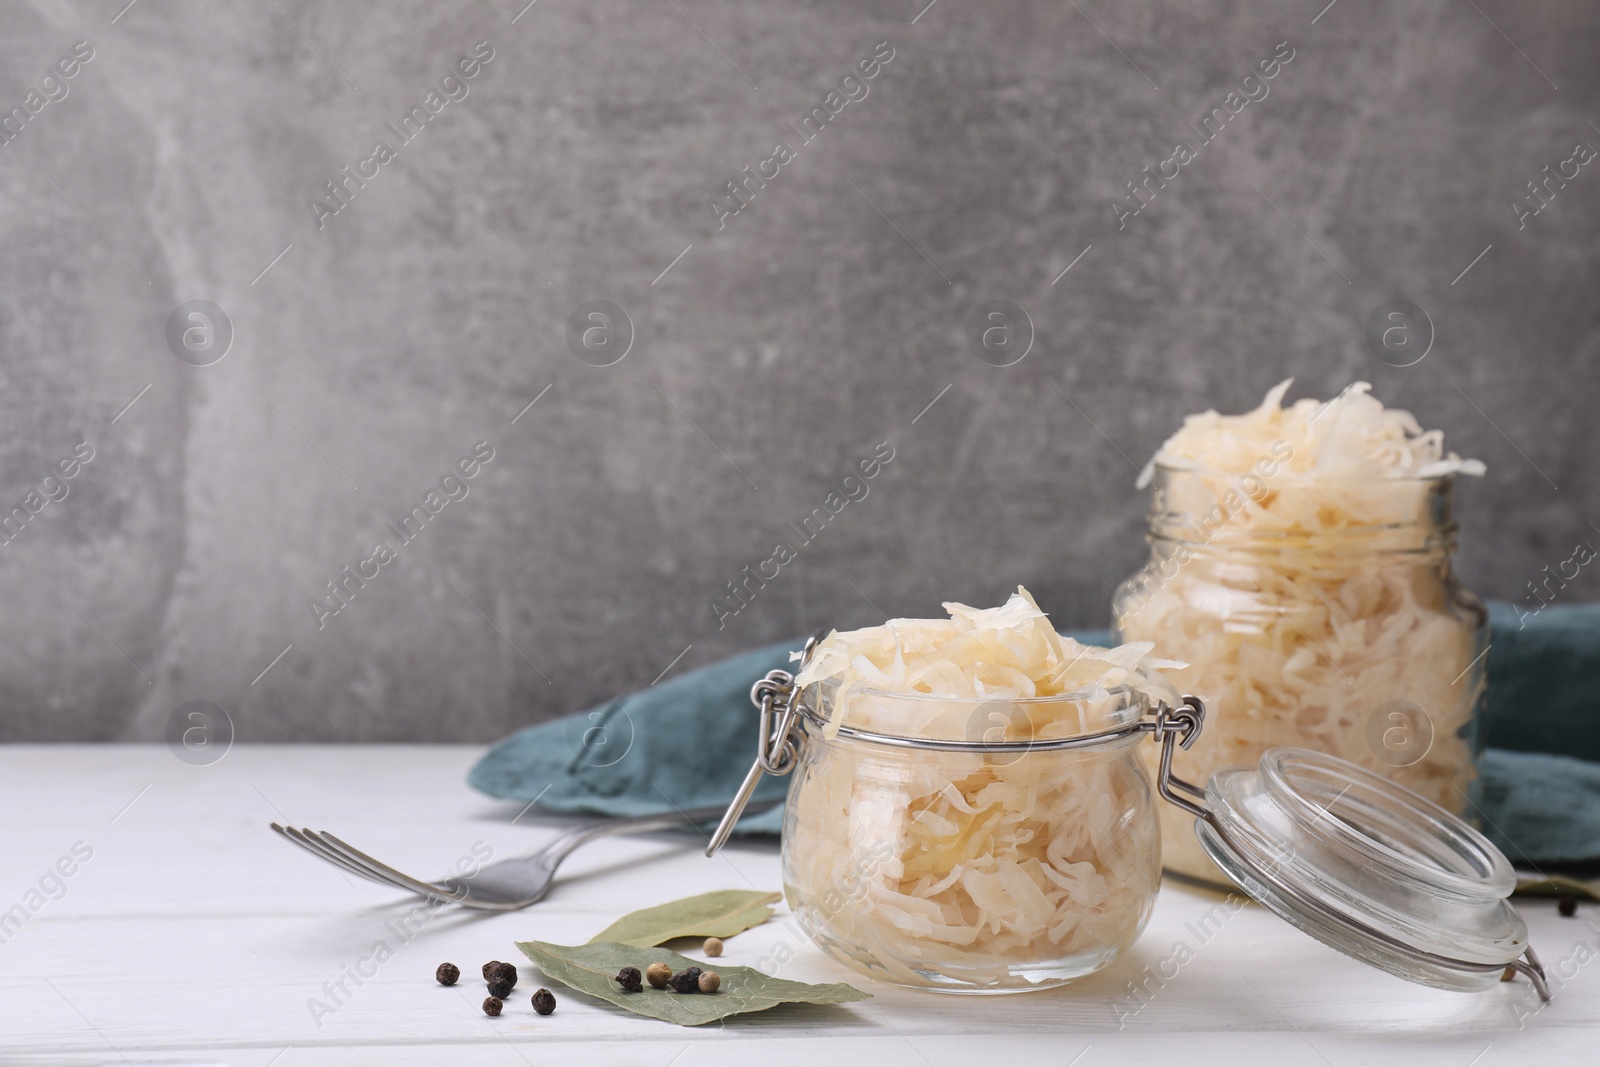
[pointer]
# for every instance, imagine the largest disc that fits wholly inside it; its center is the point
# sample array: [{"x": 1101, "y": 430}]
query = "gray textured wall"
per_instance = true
[{"x": 778, "y": 350}]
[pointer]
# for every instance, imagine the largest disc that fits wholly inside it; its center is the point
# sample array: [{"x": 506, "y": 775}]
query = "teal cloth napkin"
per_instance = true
[{"x": 688, "y": 742}]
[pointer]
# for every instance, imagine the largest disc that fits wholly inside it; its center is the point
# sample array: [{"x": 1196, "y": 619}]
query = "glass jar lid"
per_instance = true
[{"x": 1366, "y": 867}]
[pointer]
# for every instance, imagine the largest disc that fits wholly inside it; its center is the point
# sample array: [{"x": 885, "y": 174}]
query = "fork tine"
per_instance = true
[
  {"x": 327, "y": 855},
  {"x": 326, "y": 850},
  {"x": 333, "y": 855},
  {"x": 297, "y": 837},
  {"x": 359, "y": 863},
  {"x": 423, "y": 888},
  {"x": 293, "y": 836}
]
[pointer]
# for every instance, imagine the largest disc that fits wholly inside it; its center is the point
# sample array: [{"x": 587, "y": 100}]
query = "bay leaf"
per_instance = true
[
  {"x": 592, "y": 969},
  {"x": 718, "y": 914}
]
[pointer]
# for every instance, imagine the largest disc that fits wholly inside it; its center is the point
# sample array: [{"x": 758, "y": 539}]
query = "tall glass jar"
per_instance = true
[
  {"x": 1019, "y": 856},
  {"x": 1352, "y": 638}
]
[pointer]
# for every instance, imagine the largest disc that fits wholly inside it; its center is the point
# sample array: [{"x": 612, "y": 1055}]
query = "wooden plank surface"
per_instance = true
[{"x": 192, "y": 934}]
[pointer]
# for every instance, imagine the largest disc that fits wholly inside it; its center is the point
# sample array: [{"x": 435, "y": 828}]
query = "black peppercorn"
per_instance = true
[
  {"x": 447, "y": 973},
  {"x": 1567, "y": 906},
  {"x": 499, "y": 987},
  {"x": 489, "y": 969},
  {"x": 492, "y": 1006},
  {"x": 686, "y": 981},
  {"x": 630, "y": 980},
  {"x": 544, "y": 1002},
  {"x": 508, "y": 971}
]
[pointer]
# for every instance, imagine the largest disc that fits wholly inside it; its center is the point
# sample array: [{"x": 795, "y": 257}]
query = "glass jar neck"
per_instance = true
[{"x": 1294, "y": 512}]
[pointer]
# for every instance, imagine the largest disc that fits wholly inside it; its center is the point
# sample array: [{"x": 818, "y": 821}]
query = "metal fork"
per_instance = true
[{"x": 508, "y": 884}]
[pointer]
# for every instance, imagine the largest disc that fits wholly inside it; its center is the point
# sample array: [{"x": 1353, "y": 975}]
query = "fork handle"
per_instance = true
[{"x": 562, "y": 846}]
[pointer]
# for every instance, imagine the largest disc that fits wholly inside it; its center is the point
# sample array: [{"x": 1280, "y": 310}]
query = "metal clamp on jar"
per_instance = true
[{"x": 1361, "y": 864}]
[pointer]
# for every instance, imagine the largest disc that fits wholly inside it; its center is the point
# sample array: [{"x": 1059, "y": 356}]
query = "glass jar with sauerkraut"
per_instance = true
[
  {"x": 970, "y": 871},
  {"x": 969, "y": 813},
  {"x": 1300, "y": 564}
]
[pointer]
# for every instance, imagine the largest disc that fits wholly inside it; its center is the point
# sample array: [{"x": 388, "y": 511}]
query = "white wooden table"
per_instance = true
[{"x": 194, "y": 935}]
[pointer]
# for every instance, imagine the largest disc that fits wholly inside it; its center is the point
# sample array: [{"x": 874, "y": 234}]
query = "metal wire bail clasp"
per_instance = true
[
  {"x": 774, "y": 695},
  {"x": 1182, "y": 726},
  {"x": 777, "y": 750}
]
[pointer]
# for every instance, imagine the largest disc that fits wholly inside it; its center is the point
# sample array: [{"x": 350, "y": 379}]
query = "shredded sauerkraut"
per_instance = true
[
  {"x": 1300, "y": 563},
  {"x": 971, "y": 869},
  {"x": 1351, "y": 434},
  {"x": 1011, "y": 652}
]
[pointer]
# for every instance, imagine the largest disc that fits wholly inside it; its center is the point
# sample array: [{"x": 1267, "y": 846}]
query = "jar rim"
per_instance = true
[
  {"x": 1134, "y": 707},
  {"x": 1059, "y": 698},
  {"x": 1363, "y": 474}
]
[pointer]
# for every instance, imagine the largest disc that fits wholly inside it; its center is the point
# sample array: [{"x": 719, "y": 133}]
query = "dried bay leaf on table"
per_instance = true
[
  {"x": 592, "y": 969},
  {"x": 718, "y": 914}
]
